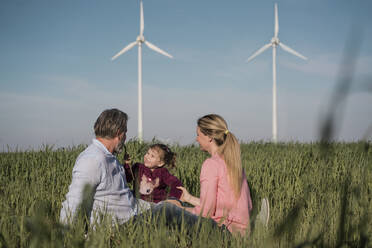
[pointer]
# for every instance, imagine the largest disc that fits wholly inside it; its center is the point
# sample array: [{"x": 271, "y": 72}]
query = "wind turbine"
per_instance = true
[
  {"x": 274, "y": 43},
  {"x": 140, "y": 39}
]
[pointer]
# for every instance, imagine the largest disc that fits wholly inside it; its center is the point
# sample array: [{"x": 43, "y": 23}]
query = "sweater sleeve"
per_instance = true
[
  {"x": 208, "y": 189},
  {"x": 128, "y": 172},
  {"x": 172, "y": 182}
]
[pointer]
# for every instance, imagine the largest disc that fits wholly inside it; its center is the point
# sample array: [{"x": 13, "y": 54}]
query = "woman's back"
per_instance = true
[{"x": 217, "y": 198}]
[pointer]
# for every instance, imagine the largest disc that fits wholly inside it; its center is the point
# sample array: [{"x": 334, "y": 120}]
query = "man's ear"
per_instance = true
[{"x": 118, "y": 135}]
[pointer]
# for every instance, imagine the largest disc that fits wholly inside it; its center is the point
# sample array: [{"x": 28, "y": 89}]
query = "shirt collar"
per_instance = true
[{"x": 101, "y": 147}]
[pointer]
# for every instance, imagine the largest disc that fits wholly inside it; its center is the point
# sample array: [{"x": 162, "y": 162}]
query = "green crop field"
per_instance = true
[{"x": 320, "y": 196}]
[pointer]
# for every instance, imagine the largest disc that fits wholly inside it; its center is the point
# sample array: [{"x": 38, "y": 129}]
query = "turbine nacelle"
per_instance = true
[
  {"x": 275, "y": 41},
  {"x": 140, "y": 38}
]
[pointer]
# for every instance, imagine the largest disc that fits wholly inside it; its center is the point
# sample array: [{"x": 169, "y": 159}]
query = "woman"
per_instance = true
[{"x": 224, "y": 192}]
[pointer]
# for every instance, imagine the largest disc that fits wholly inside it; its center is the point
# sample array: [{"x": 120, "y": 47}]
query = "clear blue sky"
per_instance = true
[{"x": 56, "y": 75}]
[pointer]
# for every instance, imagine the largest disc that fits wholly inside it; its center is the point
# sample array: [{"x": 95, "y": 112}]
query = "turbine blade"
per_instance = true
[
  {"x": 262, "y": 49},
  {"x": 142, "y": 24},
  {"x": 131, "y": 45},
  {"x": 276, "y": 31},
  {"x": 290, "y": 50},
  {"x": 157, "y": 49}
]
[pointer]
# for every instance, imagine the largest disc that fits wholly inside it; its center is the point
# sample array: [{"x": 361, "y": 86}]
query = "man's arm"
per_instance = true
[{"x": 87, "y": 171}]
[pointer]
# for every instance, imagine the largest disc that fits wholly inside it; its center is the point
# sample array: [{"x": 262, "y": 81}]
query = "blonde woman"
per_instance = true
[{"x": 224, "y": 192}]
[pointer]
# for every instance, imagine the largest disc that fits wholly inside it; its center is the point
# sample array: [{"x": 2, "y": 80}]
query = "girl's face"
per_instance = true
[
  {"x": 203, "y": 140},
  {"x": 152, "y": 159}
]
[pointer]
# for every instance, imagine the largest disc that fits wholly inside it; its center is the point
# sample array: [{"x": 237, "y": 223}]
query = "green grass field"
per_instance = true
[{"x": 320, "y": 196}]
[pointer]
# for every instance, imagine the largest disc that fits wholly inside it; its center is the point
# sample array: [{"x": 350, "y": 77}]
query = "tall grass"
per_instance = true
[{"x": 317, "y": 199}]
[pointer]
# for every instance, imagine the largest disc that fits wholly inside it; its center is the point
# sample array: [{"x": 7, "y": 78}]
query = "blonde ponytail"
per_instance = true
[{"x": 214, "y": 126}]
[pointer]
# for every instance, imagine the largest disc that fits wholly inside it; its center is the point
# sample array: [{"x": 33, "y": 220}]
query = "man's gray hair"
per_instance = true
[{"x": 111, "y": 123}]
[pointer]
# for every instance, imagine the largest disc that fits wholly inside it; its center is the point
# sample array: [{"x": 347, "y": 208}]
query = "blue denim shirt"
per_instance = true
[{"x": 97, "y": 167}]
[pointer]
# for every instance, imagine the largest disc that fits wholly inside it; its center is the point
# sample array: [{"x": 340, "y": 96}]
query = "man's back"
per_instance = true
[{"x": 100, "y": 169}]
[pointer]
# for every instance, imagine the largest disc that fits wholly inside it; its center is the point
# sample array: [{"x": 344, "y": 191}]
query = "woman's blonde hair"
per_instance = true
[{"x": 215, "y": 127}]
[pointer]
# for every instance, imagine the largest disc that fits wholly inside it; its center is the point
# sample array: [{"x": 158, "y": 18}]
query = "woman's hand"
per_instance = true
[
  {"x": 185, "y": 197},
  {"x": 175, "y": 202}
]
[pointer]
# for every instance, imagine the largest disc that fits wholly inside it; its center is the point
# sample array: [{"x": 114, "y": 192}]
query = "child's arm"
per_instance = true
[
  {"x": 172, "y": 182},
  {"x": 129, "y": 171},
  {"x": 127, "y": 164}
]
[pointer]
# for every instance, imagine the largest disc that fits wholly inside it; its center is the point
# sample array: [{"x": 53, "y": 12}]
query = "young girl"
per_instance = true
[{"x": 152, "y": 177}]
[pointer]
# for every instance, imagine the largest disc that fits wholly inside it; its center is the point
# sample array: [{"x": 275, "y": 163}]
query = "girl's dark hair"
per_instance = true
[{"x": 165, "y": 154}]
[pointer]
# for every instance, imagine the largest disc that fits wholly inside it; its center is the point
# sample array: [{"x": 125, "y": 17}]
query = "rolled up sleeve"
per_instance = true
[{"x": 208, "y": 189}]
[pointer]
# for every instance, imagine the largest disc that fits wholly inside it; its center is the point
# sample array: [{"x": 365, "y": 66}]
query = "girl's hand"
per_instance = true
[
  {"x": 127, "y": 159},
  {"x": 185, "y": 197}
]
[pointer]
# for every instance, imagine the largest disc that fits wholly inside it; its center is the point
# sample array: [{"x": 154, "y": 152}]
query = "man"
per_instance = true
[{"x": 98, "y": 167}]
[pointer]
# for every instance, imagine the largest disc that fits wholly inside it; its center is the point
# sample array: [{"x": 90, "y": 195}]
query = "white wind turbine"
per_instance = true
[
  {"x": 140, "y": 39},
  {"x": 274, "y": 43}
]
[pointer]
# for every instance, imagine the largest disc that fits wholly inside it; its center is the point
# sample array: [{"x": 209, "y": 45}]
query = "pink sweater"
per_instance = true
[{"x": 217, "y": 198}]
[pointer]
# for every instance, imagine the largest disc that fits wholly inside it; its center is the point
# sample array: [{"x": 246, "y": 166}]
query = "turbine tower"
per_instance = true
[
  {"x": 274, "y": 43},
  {"x": 140, "y": 39}
]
